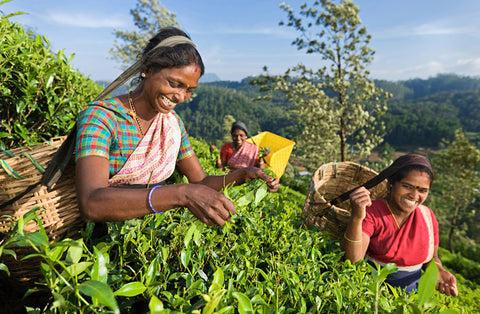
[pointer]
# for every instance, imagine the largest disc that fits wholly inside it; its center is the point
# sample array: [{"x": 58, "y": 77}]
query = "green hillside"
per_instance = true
[{"x": 421, "y": 114}]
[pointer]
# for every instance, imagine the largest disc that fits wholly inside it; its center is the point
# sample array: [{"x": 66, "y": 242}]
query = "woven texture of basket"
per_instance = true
[
  {"x": 280, "y": 150},
  {"x": 57, "y": 207},
  {"x": 329, "y": 181}
]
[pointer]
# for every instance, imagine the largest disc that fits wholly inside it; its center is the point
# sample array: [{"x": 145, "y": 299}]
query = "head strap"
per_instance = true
[{"x": 135, "y": 68}]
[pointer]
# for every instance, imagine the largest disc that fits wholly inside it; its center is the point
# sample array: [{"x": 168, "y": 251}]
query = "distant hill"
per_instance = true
[
  {"x": 209, "y": 77},
  {"x": 423, "y": 112}
]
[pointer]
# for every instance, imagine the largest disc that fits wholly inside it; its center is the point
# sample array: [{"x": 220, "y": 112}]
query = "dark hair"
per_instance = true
[
  {"x": 239, "y": 125},
  {"x": 403, "y": 172},
  {"x": 153, "y": 60}
]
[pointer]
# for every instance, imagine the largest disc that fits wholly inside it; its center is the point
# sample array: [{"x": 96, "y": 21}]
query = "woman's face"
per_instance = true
[
  {"x": 239, "y": 137},
  {"x": 410, "y": 192},
  {"x": 171, "y": 86}
]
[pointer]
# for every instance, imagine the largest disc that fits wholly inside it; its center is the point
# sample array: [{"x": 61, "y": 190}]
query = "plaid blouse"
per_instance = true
[{"x": 106, "y": 129}]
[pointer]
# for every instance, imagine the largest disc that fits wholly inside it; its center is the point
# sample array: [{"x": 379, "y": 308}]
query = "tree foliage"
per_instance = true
[
  {"x": 422, "y": 123},
  {"x": 458, "y": 167},
  {"x": 204, "y": 114},
  {"x": 148, "y": 16},
  {"x": 41, "y": 93},
  {"x": 337, "y": 105}
]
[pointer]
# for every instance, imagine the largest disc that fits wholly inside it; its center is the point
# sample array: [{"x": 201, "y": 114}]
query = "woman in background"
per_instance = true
[{"x": 239, "y": 153}]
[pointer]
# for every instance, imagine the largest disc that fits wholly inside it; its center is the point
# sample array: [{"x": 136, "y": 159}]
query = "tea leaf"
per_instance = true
[
  {"x": 99, "y": 271},
  {"x": 244, "y": 303},
  {"x": 155, "y": 305},
  {"x": 76, "y": 269},
  {"x": 131, "y": 289},
  {"x": 102, "y": 292},
  {"x": 427, "y": 284},
  {"x": 260, "y": 193},
  {"x": 74, "y": 253}
]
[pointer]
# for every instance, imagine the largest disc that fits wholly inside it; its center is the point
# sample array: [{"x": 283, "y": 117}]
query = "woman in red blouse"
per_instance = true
[{"x": 399, "y": 229}]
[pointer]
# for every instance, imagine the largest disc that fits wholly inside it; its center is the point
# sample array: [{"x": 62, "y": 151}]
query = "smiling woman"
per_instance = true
[
  {"x": 398, "y": 228},
  {"x": 239, "y": 153},
  {"x": 127, "y": 146}
]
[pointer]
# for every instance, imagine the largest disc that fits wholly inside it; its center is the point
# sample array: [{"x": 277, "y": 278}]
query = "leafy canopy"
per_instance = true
[
  {"x": 41, "y": 93},
  {"x": 337, "y": 105},
  {"x": 149, "y": 16}
]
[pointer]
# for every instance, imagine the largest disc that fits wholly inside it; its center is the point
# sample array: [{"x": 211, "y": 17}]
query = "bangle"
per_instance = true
[
  {"x": 346, "y": 238},
  {"x": 150, "y": 199}
]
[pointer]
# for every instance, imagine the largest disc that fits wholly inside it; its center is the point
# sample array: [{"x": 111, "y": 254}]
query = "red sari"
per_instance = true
[{"x": 410, "y": 245}]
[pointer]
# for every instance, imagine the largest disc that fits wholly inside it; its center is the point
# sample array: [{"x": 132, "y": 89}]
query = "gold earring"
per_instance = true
[{"x": 143, "y": 75}]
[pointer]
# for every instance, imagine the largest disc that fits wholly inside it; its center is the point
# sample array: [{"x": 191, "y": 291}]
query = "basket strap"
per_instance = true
[
  {"x": 8, "y": 153},
  {"x": 19, "y": 196},
  {"x": 64, "y": 154},
  {"x": 368, "y": 185},
  {"x": 38, "y": 166},
  {"x": 399, "y": 163},
  {"x": 60, "y": 160},
  {"x": 9, "y": 170}
]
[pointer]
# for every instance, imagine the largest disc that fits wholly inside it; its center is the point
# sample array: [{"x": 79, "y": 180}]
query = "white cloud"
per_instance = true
[
  {"x": 86, "y": 20},
  {"x": 439, "y": 29},
  {"x": 469, "y": 67},
  {"x": 432, "y": 28}
]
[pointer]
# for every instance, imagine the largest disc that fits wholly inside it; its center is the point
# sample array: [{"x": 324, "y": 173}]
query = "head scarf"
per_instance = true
[
  {"x": 404, "y": 161},
  {"x": 239, "y": 125},
  {"x": 135, "y": 68}
]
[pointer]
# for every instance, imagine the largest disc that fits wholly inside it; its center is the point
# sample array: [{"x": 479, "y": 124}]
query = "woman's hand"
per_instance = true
[
  {"x": 447, "y": 283},
  {"x": 208, "y": 205},
  {"x": 360, "y": 199},
  {"x": 273, "y": 184}
]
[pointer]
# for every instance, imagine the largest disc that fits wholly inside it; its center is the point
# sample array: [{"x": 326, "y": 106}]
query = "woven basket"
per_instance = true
[
  {"x": 330, "y": 181},
  {"x": 57, "y": 208},
  {"x": 280, "y": 150}
]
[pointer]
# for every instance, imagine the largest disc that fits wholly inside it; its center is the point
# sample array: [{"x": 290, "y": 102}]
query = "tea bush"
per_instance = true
[
  {"x": 262, "y": 261},
  {"x": 40, "y": 92}
]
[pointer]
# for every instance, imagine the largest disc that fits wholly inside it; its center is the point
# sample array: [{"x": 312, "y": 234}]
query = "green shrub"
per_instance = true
[{"x": 40, "y": 92}]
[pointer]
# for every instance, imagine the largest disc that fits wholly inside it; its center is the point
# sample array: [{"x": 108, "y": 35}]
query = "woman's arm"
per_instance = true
[
  {"x": 447, "y": 283},
  {"x": 100, "y": 202},
  {"x": 192, "y": 169},
  {"x": 355, "y": 242}
]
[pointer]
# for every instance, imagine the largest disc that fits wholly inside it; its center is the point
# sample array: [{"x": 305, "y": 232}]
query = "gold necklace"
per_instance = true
[
  {"x": 391, "y": 212},
  {"x": 133, "y": 112}
]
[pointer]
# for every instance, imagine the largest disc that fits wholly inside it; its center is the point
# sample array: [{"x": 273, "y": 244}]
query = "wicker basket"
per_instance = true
[
  {"x": 280, "y": 150},
  {"x": 57, "y": 208},
  {"x": 330, "y": 181}
]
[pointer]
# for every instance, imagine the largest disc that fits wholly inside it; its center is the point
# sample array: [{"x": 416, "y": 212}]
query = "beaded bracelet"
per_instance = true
[{"x": 150, "y": 199}]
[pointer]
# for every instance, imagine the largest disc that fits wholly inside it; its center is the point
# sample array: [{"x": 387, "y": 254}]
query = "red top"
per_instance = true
[
  {"x": 407, "y": 246},
  {"x": 227, "y": 151},
  {"x": 245, "y": 156}
]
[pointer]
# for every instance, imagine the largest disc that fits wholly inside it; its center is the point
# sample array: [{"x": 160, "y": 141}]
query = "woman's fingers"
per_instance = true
[
  {"x": 448, "y": 287},
  {"x": 209, "y": 206},
  {"x": 361, "y": 197},
  {"x": 273, "y": 185}
]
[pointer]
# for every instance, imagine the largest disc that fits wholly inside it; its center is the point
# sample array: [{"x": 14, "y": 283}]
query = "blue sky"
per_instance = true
[{"x": 412, "y": 38}]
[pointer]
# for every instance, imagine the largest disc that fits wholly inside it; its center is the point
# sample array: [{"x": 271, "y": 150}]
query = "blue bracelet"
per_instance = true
[{"x": 150, "y": 199}]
